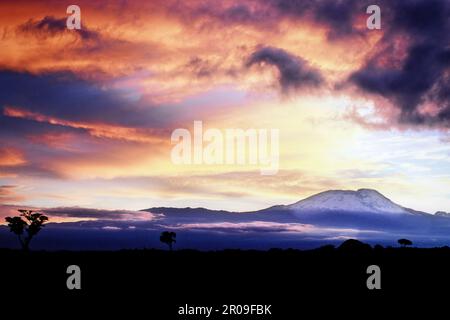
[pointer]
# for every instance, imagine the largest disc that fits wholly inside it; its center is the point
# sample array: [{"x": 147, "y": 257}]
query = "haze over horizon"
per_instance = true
[{"x": 86, "y": 115}]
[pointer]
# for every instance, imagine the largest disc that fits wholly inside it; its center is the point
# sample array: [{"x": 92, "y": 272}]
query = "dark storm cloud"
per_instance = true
[
  {"x": 50, "y": 26},
  {"x": 295, "y": 73},
  {"x": 411, "y": 80},
  {"x": 337, "y": 15},
  {"x": 423, "y": 75},
  {"x": 420, "y": 18},
  {"x": 64, "y": 96}
]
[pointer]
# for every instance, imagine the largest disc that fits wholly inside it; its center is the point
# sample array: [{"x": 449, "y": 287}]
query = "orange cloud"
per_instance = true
[
  {"x": 11, "y": 157},
  {"x": 8, "y": 194},
  {"x": 150, "y": 36},
  {"x": 96, "y": 130}
]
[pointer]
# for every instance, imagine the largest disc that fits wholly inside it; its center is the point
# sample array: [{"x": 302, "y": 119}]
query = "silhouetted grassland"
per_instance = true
[{"x": 283, "y": 278}]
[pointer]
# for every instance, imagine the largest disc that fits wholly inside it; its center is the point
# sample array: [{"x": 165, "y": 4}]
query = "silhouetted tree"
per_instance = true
[
  {"x": 168, "y": 238},
  {"x": 353, "y": 245},
  {"x": 404, "y": 242},
  {"x": 26, "y": 226}
]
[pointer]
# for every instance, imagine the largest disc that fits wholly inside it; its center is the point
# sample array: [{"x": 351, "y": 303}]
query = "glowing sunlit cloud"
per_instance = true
[
  {"x": 11, "y": 157},
  {"x": 96, "y": 130}
]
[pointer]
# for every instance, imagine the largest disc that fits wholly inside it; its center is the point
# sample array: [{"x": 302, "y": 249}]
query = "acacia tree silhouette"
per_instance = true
[
  {"x": 168, "y": 238},
  {"x": 31, "y": 225},
  {"x": 404, "y": 242}
]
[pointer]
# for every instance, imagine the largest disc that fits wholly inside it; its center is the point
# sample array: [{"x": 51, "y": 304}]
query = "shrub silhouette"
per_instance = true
[
  {"x": 378, "y": 247},
  {"x": 404, "y": 242},
  {"x": 168, "y": 238},
  {"x": 26, "y": 228},
  {"x": 353, "y": 245}
]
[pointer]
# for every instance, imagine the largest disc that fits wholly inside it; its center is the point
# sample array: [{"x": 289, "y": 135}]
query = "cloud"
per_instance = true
[
  {"x": 411, "y": 66},
  {"x": 64, "y": 95},
  {"x": 73, "y": 214},
  {"x": 249, "y": 12},
  {"x": 268, "y": 226},
  {"x": 232, "y": 184},
  {"x": 338, "y": 16},
  {"x": 111, "y": 228},
  {"x": 8, "y": 194},
  {"x": 253, "y": 226},
  {"x": 295, "y": 73},
  {"x": 96, "y": 130},
  {"x": 11, "y": 157},
  {"x": 201, "y": 67},
  {"x": 98, "y": 114},
  {"x": 65, "y": 99},
  {"x": 50, "y": 26},
  {"x": 408, "y": 68},
  {"x": 55, "y": 119},
  {"x": 61, "y": 125},
  {"x": 99, "y": 214}
]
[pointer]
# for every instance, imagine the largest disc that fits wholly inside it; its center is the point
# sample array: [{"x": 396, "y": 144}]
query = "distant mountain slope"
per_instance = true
[
  {"x": 362, "y": 200},
  {"x": 364, "y": 209}
]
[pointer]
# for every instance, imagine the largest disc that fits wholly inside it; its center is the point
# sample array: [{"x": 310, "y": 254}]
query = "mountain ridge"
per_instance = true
[{"x": 363, "y": 200}]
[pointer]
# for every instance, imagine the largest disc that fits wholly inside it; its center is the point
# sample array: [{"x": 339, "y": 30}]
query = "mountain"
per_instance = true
[
  {"x": 442, "y": 214},
  {"x": 344, "y": 201},
  {"x": 362, "y": 201},
  {"x": 324, "y": 218},
  {"x": 364, "y": 213}
]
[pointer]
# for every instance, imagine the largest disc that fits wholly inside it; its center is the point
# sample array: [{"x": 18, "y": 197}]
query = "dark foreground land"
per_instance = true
[{"x": 325, "y": 280}]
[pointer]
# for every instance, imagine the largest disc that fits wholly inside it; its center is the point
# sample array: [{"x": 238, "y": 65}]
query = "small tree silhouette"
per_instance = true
[
  {"x": 168, "y": 238},
  {"x": 404, "y": 242},
  {"x": 31, "y": 225}
]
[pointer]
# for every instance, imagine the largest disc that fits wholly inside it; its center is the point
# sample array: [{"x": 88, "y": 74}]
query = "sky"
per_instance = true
[{"x": 86, "y": 116}]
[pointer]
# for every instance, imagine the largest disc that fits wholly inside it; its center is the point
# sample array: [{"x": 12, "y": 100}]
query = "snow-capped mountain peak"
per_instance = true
[{"x": 362, "y": 200}]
